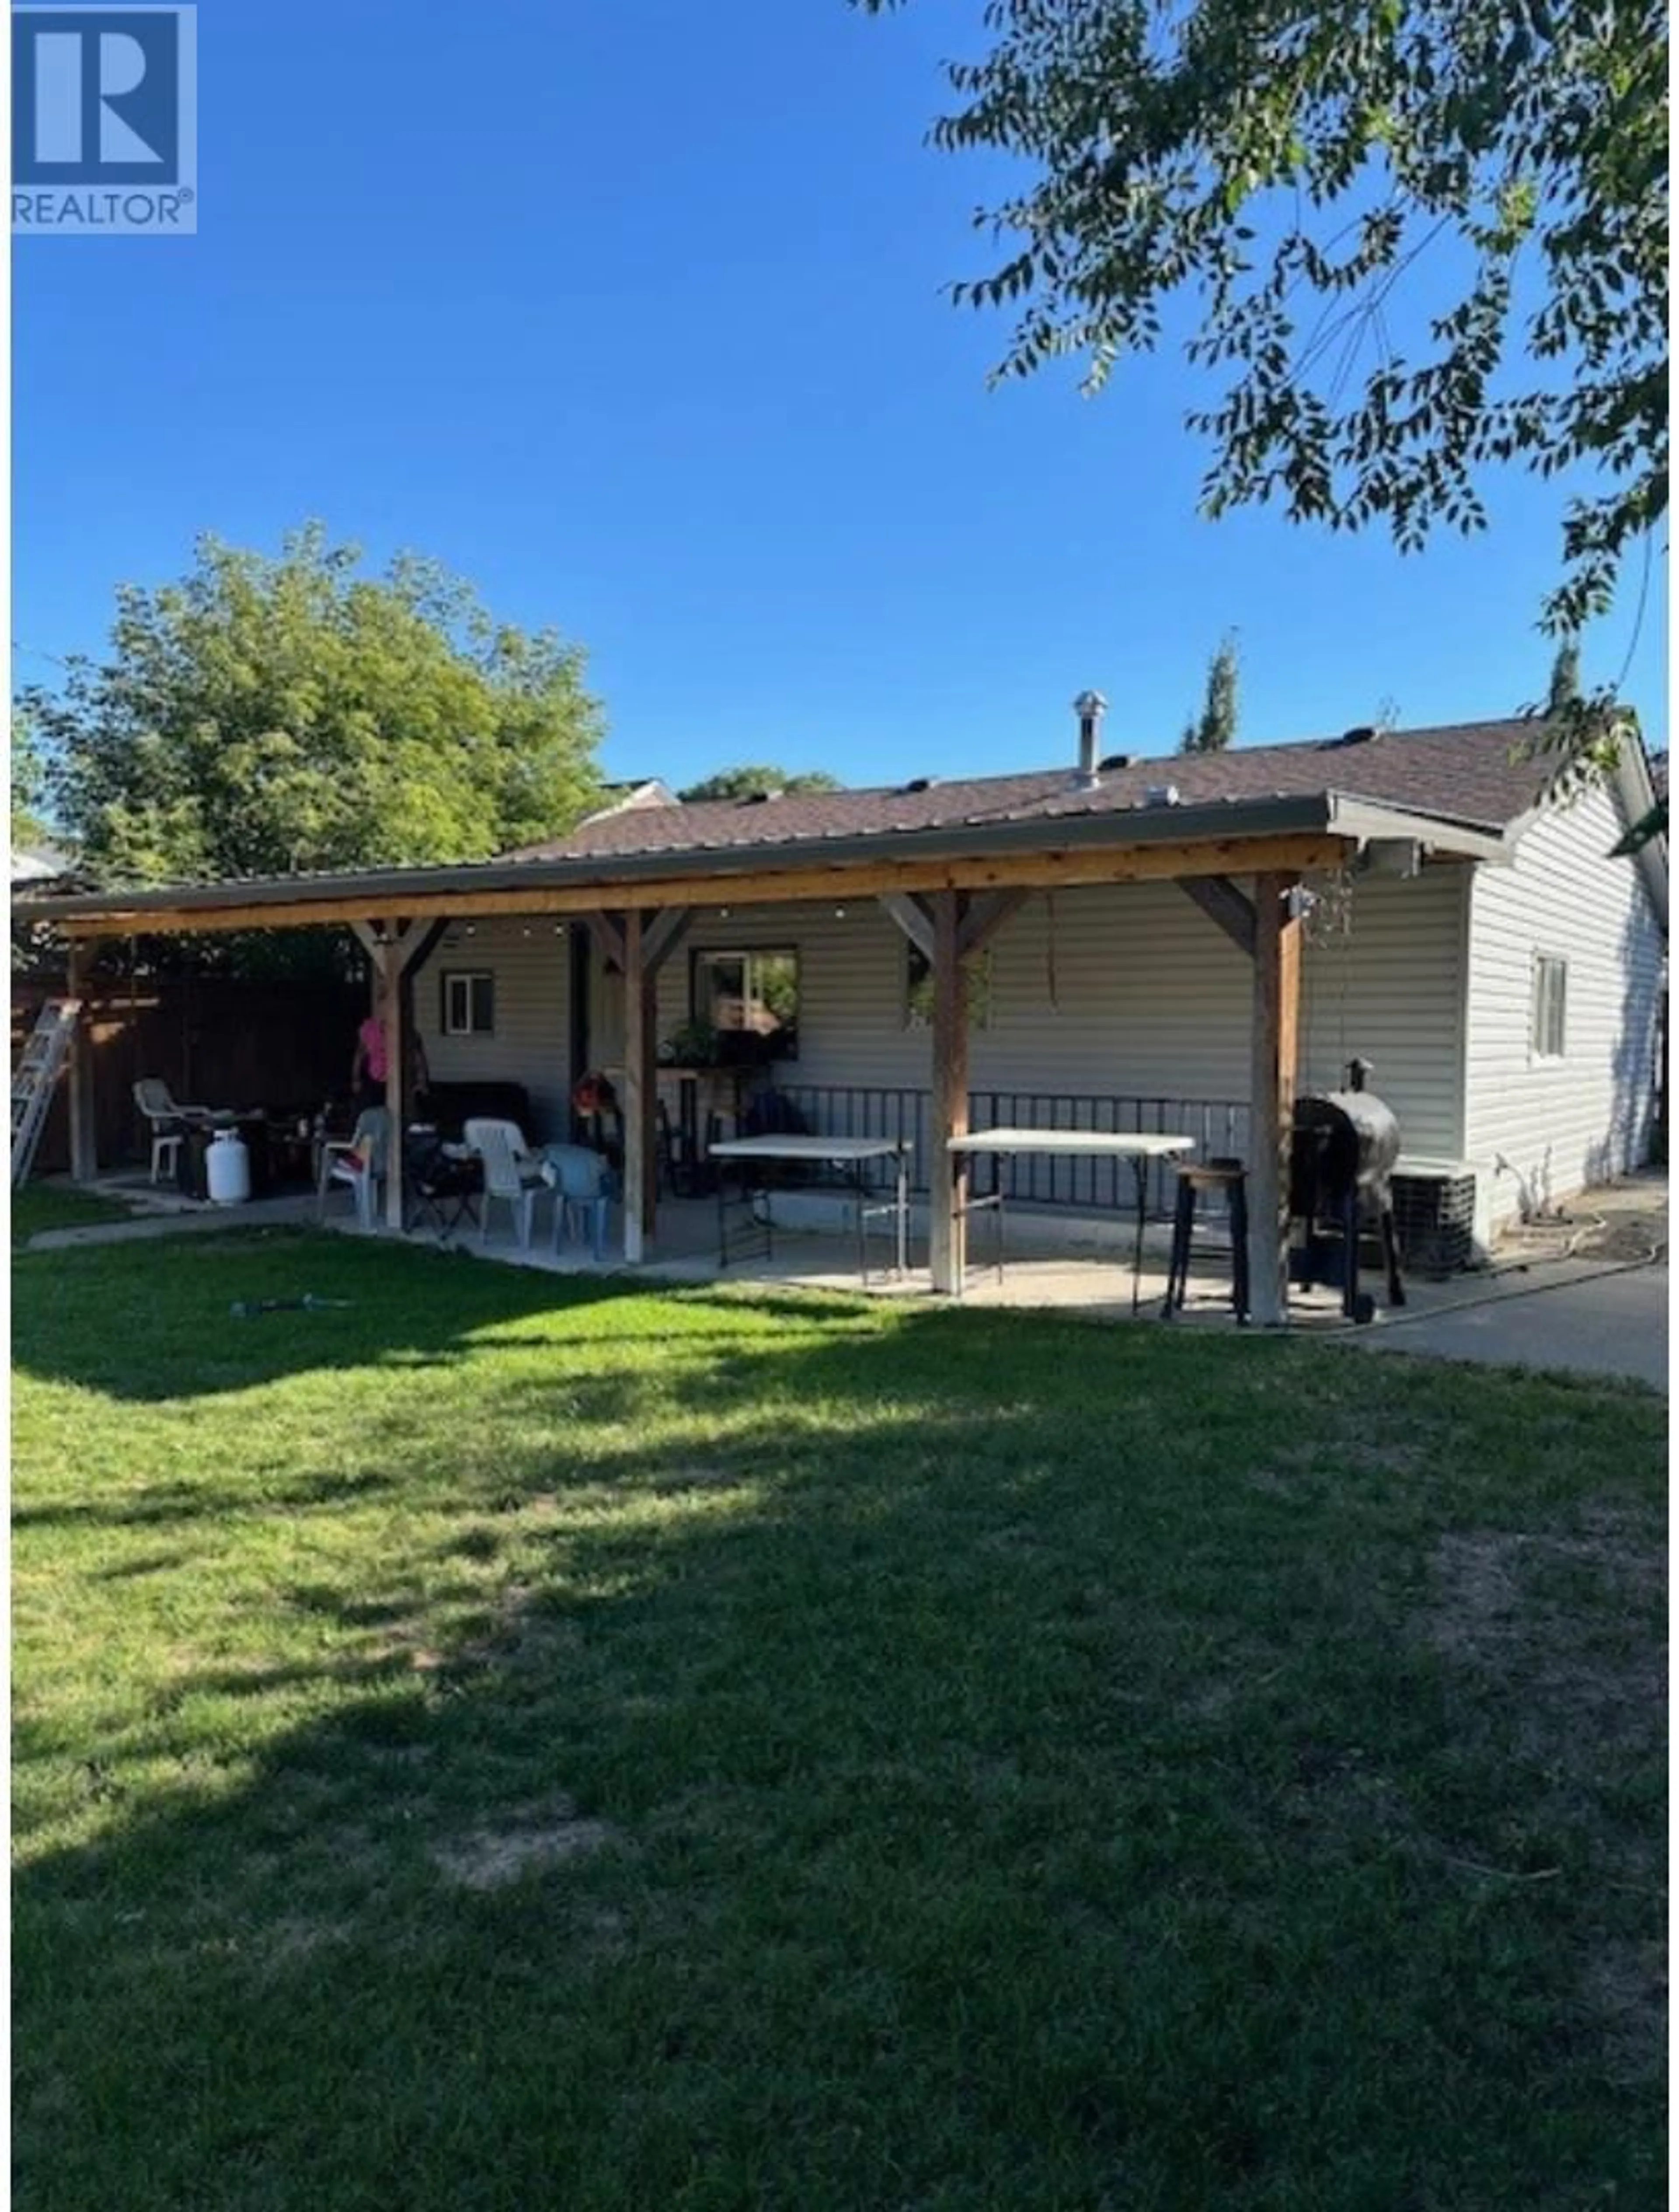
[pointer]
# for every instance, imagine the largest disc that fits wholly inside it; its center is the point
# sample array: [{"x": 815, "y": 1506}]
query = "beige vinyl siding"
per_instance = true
[
  {"x": 530, "y": 1044},
  {"x": 1389, "y": 989},
  {"x": 1541, "y": 1129},
  {"x": 1132, "y": 991}
]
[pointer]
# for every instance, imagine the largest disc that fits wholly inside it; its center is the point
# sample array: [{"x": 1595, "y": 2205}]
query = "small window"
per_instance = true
[
  {"x": 1550, "y": 1007},
  {"x": 751, "y": 999},
  {"x": 918, "y": 990},
  {"x": 469, "y": 1004}
]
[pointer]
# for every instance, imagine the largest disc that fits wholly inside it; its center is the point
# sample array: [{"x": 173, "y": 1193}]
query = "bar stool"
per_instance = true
[{"x": 1229, "y": 1176}]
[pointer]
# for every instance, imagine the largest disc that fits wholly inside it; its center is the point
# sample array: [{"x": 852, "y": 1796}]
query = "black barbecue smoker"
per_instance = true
[{"x": 1343, "y": 1151}]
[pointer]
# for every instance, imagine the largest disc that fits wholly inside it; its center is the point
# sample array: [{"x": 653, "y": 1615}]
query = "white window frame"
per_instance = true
[
  {"x": 463, "y": 980},
  {"x": 749, "y": 956},
  {"x": 1548, "y": 1013}
]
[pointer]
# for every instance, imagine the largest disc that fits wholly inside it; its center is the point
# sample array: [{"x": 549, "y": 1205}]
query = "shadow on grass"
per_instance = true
[{"x": 836, "y": 1757}]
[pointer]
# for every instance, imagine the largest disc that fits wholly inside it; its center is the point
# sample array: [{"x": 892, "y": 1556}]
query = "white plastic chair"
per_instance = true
[
  {"x": 359, "y": 1160},
  {"x": 578, "y": 1178},
  {"x": 510, "y": 1174},
  {"x": 167, "y": 1122}
]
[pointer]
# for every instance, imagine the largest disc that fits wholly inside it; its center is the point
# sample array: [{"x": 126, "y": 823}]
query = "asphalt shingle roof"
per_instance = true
[{"x": 1480, "y": 775}]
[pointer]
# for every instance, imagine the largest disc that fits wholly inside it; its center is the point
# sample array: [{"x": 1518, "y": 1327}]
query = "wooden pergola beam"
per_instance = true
[
  {"x": 607, "y": 931},
  {"x": 910, "y": 915},
  {"x": 985, "y": 915},
  {"x": 416, "y": 944},
  {"x": 664, "y": 932},
  {"x": 1221, "y": 900},
  {"x": 1066, "y": 869},
  {"x": 412, "y": 943}
]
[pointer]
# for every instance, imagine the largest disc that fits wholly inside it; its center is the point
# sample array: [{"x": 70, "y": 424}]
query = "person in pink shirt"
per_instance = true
[{"x": 370, "y": 1070}]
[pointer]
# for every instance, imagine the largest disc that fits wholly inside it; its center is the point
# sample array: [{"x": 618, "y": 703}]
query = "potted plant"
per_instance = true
[{"x": 692, "y": 1044}]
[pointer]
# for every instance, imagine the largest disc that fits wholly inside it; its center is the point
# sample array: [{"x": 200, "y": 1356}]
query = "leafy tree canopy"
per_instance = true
[
  {"x": 1216, "y": 728},
  {"x": 1295, "y": 172},
  {"x": 1286, "y": 163},
  {"x": 264, "y": 715},
  {"x": 742, "y": 783},
  {"x": 28, "y": 780}
]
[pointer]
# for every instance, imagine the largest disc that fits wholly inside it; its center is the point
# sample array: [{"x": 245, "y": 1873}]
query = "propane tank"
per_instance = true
[{"x": 228, "y": 1168}]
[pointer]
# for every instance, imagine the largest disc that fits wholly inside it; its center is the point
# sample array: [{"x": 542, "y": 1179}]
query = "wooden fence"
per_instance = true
[{"x": 214, "y": 1042}]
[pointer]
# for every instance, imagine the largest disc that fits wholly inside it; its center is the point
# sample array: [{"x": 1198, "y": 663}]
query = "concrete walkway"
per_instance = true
[
  {"x": 1577, "y": 1316},
  {"x": 200, "y": 1221}
]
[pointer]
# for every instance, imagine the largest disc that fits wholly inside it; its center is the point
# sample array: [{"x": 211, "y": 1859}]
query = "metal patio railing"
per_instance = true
[{"x": 1218, "y": 1126}]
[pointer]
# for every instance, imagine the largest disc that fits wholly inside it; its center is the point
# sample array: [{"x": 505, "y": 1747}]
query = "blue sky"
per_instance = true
[{"x": 630, "y": 312}]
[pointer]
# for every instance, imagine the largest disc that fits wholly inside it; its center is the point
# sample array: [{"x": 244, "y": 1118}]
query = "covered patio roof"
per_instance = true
[
  {"x": 1463, "y": 791},
  {"x": 950, "y": 861}
]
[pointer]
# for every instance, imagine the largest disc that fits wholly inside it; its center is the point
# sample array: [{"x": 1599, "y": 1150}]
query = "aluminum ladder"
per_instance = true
[{"x": 35, "y": 1078}]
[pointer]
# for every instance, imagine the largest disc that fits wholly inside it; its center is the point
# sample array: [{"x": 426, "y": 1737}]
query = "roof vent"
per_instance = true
[
  {"x": 1162, "y": 794},
  {"x": 1089, "y": 707},
  {"x": 1361, "y": 733},
  {"x": 921, "y": 783},
  {"x": 759, "y": 798},
  {"x": 1119, "y": 760}
]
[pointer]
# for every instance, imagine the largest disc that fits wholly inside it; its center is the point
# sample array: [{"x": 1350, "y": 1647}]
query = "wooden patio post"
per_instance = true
[
  {"x": 637, "y": 1083},
  {"x": 390, "y": 965},
  {"x": 947, "y": 1178},
  {"x": 1276, "y": 985},
  {"x": 84, "y": 1125}
]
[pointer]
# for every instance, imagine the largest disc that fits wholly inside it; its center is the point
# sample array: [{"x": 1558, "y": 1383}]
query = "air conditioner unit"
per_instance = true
[{"x": 1434, "y": 1213}]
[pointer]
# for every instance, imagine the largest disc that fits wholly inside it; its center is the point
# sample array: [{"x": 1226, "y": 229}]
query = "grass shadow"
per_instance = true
[{"x": 686, "y": 1749}]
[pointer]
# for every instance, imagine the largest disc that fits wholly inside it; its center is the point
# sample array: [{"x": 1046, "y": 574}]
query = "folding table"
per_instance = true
[
  {"x": 1141, "y": 1148},
  {"x": 854, "y": 1153}
]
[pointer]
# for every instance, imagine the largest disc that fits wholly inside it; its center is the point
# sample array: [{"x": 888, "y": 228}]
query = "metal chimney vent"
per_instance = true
[{"x": 1089, "y": 707}]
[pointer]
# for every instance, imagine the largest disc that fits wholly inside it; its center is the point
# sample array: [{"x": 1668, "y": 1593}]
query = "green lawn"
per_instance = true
[{"x": 517, "y": 1744}]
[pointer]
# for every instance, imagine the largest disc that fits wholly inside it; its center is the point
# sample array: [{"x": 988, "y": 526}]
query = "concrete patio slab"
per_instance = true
[{"x": 1578, "y": 1317}]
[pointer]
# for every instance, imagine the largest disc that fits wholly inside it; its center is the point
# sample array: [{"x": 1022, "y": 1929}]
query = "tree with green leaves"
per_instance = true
[
  {"x": 745, "y": 783},
  {"x": 264, "y": 715},
  {"x": 28, "y": 780},
  {"x": 1413, "y": 240},
  {"x": 1217, "y": 729}
]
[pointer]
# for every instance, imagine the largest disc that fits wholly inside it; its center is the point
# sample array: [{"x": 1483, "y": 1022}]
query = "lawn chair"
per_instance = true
[
  {"x": 360, "y": 1162},
  {"x": 510, "y": 1174},
  {"x": 168, "y": 1122},
  {"x": 445, "y": 1187},
  {"x": 579, "y": 1179}
]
